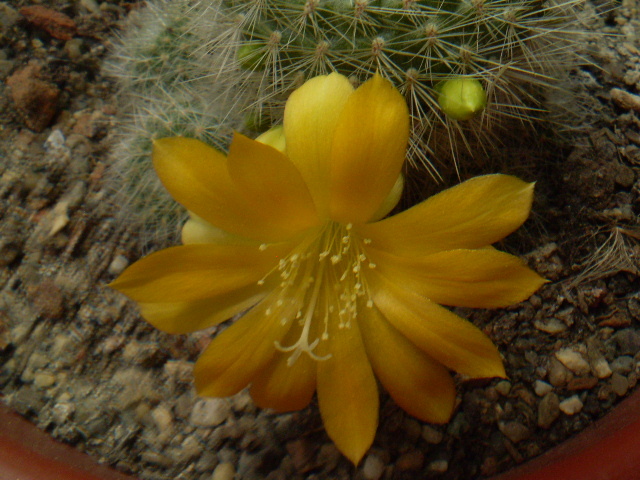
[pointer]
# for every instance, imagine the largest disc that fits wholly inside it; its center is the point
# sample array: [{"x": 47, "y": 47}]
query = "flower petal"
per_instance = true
[
  {"x": 284, "y": 387},
  {"x": 474, "y": 214},
  {"x": 274, "y": 137},
  {"x": 391, "y": 201},
  {"x": 310, "y": 121},
  {"x": 196, "y": 272},
  {"x": 485, "y": 278},
  {"x": 198, "y": 230},
  {"x": 347, "y": 391},
  {"x": 238, "y": 354},
  {"x": 271, "y": 183},
  {"x": 368, "y": 151},
  {"x": 196, "y": 175},
  {"x": 418, "y": 384},
  {"x": 444, "y": 336},
  {"x": 187, "y": 317}
]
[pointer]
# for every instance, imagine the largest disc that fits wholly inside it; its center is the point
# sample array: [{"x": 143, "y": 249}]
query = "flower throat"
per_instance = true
[{"x": 321, "y": 281}]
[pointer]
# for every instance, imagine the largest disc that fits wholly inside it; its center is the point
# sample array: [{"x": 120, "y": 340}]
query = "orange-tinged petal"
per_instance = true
[
  {"x": 418, "y": 384},
  {"x": 444, "y": 336},
  {"x": 238, "y": 354},
  {"x": 196, "y": 272},
  {"x": 310, "y": 121},
  {"x": 474, "y": 214},
  {"x": 282, "y": 386},
  {"x": 368, "y": 151},
  {"x": 270, "y": 181},
  {"x": 485, "y": 278},
  {"x": 187, "y": 317},
  {"x": 196, "y": 175},
  {"x": 347, "y": 391}
]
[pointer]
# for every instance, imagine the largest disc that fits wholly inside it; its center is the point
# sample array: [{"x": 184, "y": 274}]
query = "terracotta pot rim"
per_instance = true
[{"x": 607, "y": 450}]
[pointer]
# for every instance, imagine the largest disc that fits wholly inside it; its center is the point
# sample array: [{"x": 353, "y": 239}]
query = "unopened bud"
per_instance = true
[{"x": 462, "y": 98}]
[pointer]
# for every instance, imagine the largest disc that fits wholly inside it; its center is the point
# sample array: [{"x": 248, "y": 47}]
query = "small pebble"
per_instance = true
[
  {"x": 412, "y": 460},
  {"x": 558, "y": 374},
  {"x": 118, "y": 264},
  {"x": 47, "y": 299},
  {"x": 582, "y": 383},
  {"x": 548, "y": 410},
  {"x": 329, "y": 456},
  {"x": 551, "y": 325},
  {"x": 224, "y": 471},
  {"x": 514, "y": 431},
  {"x": 623, "y": 364},
  {"x": 62, "y": 411},
  {"x": 162, "y": 417},
  {"x": 619, "y": 384},
  {"x": 190, "y": 449},
  {"x": 431, "y": 435},
  {"x": 571, "y": 405},
  {"x": 573, "y": 360},
  {"x": 210, "y": 412},
  {"x": 301, "y": 451},
  {"x": 503, "y": 387},
  {"x": 542, "y": 388},
  {"x": 45, "y": 380},
  {"x": 438, "y": 466},
  {"x": 625, "y": 100},
  {"x": 601, "y": 367},
  {"x": 373, "y": 467},
  {"x": 628, "y": 341},
  {"x": 90, "y": 5}
]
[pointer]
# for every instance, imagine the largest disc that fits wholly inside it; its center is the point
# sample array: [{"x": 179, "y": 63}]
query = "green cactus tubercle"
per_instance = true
[{"x": 401, "y": 39}]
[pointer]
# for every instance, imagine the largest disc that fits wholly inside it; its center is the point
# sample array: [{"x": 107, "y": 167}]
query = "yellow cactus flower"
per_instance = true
[{"x": 289, "y": 230}]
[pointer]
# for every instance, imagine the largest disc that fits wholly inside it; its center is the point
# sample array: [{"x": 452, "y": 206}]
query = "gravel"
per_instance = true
[{"x": 78, "y": 361}]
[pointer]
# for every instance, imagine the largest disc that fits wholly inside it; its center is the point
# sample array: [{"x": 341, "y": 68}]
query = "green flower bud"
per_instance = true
[{"x": 461, "y": 98}]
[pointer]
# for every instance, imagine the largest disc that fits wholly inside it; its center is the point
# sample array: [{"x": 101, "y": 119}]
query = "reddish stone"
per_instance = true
[
  {"x": 35, "y": 98},
  {"x": 616, "y": 321},
  {"x": 302, "y": 452},
  {"x": 48, "y": 300},
  {"x": 582, "y": 383},
  {"x": 56, "y": 24},
  {"x": 412, "y": 460}
]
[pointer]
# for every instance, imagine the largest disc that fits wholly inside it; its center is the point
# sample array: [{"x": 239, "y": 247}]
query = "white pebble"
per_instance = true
[
  {"x": 162, "y": 417},
  {"x": 574, "y": 361},
  {"x": 552, "y": 326},
  {"x": 571, "y": 405},
  {"x": 601, "y": 368},
  {"x": 210, "y": 412},
  {"x": 118, "y": 264}
]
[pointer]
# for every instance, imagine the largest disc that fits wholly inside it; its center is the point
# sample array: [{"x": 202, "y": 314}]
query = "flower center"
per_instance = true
[{"x": 322, "y": 281}]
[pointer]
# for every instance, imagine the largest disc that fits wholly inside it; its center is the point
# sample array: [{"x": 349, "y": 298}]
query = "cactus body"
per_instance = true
[{"x": 202, "y": 68}]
